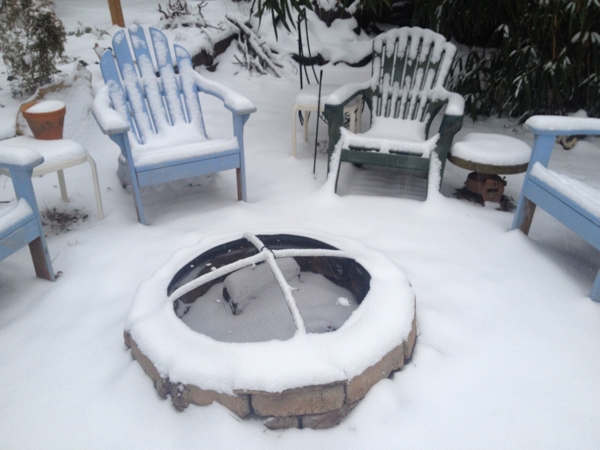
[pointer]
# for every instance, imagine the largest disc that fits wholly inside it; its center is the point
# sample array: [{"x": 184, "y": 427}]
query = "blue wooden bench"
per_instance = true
[
  {"x": 573, "y": 203},
  {"x": 20, "y": 222},
  {"x": 150, "y": 108}
]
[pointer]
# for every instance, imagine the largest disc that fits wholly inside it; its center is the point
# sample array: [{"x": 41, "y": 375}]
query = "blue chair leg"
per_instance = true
[
  {"x": 241, "y": 188},
  {"x": 595, "y": 295},
  {"x": 138, "y": 201},
  {"x": 524, "y": 215},
  {"x": 41, "y": 258}
]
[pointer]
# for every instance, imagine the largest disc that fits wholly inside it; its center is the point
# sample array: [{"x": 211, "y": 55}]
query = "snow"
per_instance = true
[
  {"x": 167, "y": 147},
  {"x": 456, "y": 103},
  {"x": 46, "y": 107},
  {"x": 137, "y": 103},
  {"x": 507, "y": 354},
  {"x": 494, "y": 149},
  {"x": 14, "y": 155},
  {"x": 371, "y": 140},
  {"x": 110, "y": 120},
  {"x": 564, "y": 125},
  {"x": 336, "y": 43},
  {"x": 231, "y": 99},
  {"x": 582, "y": 194},
  {"x": 309, "y": 94},
  {"x": 13, "y": 213},
  {"x": 54, "y": 151},
  {"x": 256, "y": 310},
  {"x": 390, "y": 128}
]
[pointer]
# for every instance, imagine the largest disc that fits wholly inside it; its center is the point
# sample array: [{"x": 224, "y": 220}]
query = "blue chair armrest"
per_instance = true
[
  {"x": 234, "y": 102},
  {"x": 16, "y": 158}
]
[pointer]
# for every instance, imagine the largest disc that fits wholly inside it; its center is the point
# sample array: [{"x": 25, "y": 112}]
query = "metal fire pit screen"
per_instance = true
[{"x": 264, "y": 287}]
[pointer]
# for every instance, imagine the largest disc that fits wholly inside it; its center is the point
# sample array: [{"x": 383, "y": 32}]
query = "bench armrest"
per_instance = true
[
  {"x": 334, "y": 108},
  {"x": 563, "y": 126},
  {"x": 344, "y": 94},
  {"x": 234, "y": 102},
  {"x": 16, "y": 158},
  {"x": 451, "y": 124},
  {"x": 456, "y": 102},
  {"x": 109, "y": 120}
]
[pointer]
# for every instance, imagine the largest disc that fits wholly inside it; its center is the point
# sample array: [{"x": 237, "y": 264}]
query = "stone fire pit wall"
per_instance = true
[{"x": 321, "y": 404}]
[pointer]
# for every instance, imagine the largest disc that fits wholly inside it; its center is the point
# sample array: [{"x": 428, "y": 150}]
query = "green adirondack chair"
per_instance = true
[{"x": 405, "y": 93}]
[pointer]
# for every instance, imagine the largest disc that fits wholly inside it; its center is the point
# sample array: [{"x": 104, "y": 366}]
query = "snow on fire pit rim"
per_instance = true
[{"x": 382, "y": 322}]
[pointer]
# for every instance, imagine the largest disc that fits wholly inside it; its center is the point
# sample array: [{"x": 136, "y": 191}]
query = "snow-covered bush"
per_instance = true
[
  {"x": 32, "y": 38},
  {"x": 178, "y": 13},
  {"x": 327, "y": 10},
  {"x": 524, "y": 57}
]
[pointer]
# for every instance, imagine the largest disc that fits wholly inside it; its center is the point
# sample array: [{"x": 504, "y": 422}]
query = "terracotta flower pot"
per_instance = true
[{"x": 46, "y": 119}]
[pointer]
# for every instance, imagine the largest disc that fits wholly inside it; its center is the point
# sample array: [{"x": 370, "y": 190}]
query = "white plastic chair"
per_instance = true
[
  {"x": 58, "y": 155},
  {"x": 307, "y": 100}
]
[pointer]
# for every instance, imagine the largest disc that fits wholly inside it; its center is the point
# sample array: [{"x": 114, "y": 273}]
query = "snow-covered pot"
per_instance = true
[
  {"x": 46, "y": 118},
  {"x": 310, "y": 378}
]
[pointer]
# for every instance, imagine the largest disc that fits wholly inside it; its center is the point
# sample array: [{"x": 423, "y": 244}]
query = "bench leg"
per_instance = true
[
  {"x": 238, "y": 176},
  {"x": 528, "y": 215},
  {"x": 294, "y": 118},
  {"x": 524, "y": 215},
  {"x": 306, "y": 118},
  {"x": 63, "y": 186},
  {"x": 41, "y": 259},
  {"x": 595, "y": 295},
  {"x": 96, "y": 187}
]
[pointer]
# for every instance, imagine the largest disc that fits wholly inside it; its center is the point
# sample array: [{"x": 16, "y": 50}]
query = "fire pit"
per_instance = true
[{"x": 293, "y": 329}]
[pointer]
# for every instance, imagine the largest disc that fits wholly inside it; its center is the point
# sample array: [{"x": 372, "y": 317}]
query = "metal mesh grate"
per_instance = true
[{"x": 268, "y": 287}]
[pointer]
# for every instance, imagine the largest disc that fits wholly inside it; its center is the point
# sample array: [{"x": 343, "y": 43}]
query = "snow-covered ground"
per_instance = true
[{"x": 508, "y": 350}]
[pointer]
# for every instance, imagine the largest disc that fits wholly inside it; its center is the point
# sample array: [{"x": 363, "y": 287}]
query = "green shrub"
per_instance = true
[
  {"x": 32, "y": 38},
  {"x": 524, "y": 57}
]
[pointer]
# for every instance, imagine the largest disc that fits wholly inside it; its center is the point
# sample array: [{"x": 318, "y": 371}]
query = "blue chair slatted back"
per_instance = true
[
  {"x": 149, "y": 95},
  {"x": 189, "y": 88}
]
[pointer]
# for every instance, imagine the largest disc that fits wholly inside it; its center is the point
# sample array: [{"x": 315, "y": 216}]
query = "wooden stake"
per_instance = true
[{"x": 116, "y": 13}]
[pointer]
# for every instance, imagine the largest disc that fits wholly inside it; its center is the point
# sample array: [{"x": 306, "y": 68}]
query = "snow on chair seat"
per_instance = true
[
  {"x": 150, "y": 108},
  {"x": 573, "y": 203},
  {"x": 146, "y": 157},
  {"x": 392, "y": 136},
  {"x": 14, "y": 215},
  {"x": 580, "y": 193}
]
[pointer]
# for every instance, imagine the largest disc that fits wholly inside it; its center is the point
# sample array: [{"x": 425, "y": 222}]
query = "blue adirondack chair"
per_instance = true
[
  {"x": 150, "y": 108},
  {"x": 20, "y": 222},
  {"x": 571, "y": 202}
]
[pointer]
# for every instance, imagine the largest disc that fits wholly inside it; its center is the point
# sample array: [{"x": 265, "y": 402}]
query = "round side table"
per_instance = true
[{"x": 488, "y": 156}]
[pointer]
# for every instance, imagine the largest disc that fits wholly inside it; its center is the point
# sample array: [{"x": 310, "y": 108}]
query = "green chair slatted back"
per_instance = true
[{"x": 408, "y": 63}]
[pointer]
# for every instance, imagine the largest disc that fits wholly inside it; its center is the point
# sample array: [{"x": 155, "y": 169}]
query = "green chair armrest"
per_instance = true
[
  {"x": 334, "y": 108},
  {"x": 451, "y": 124}
]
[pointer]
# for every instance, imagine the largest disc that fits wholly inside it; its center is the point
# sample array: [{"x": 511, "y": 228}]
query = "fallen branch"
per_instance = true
[{"x": 259, "y": 47}]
